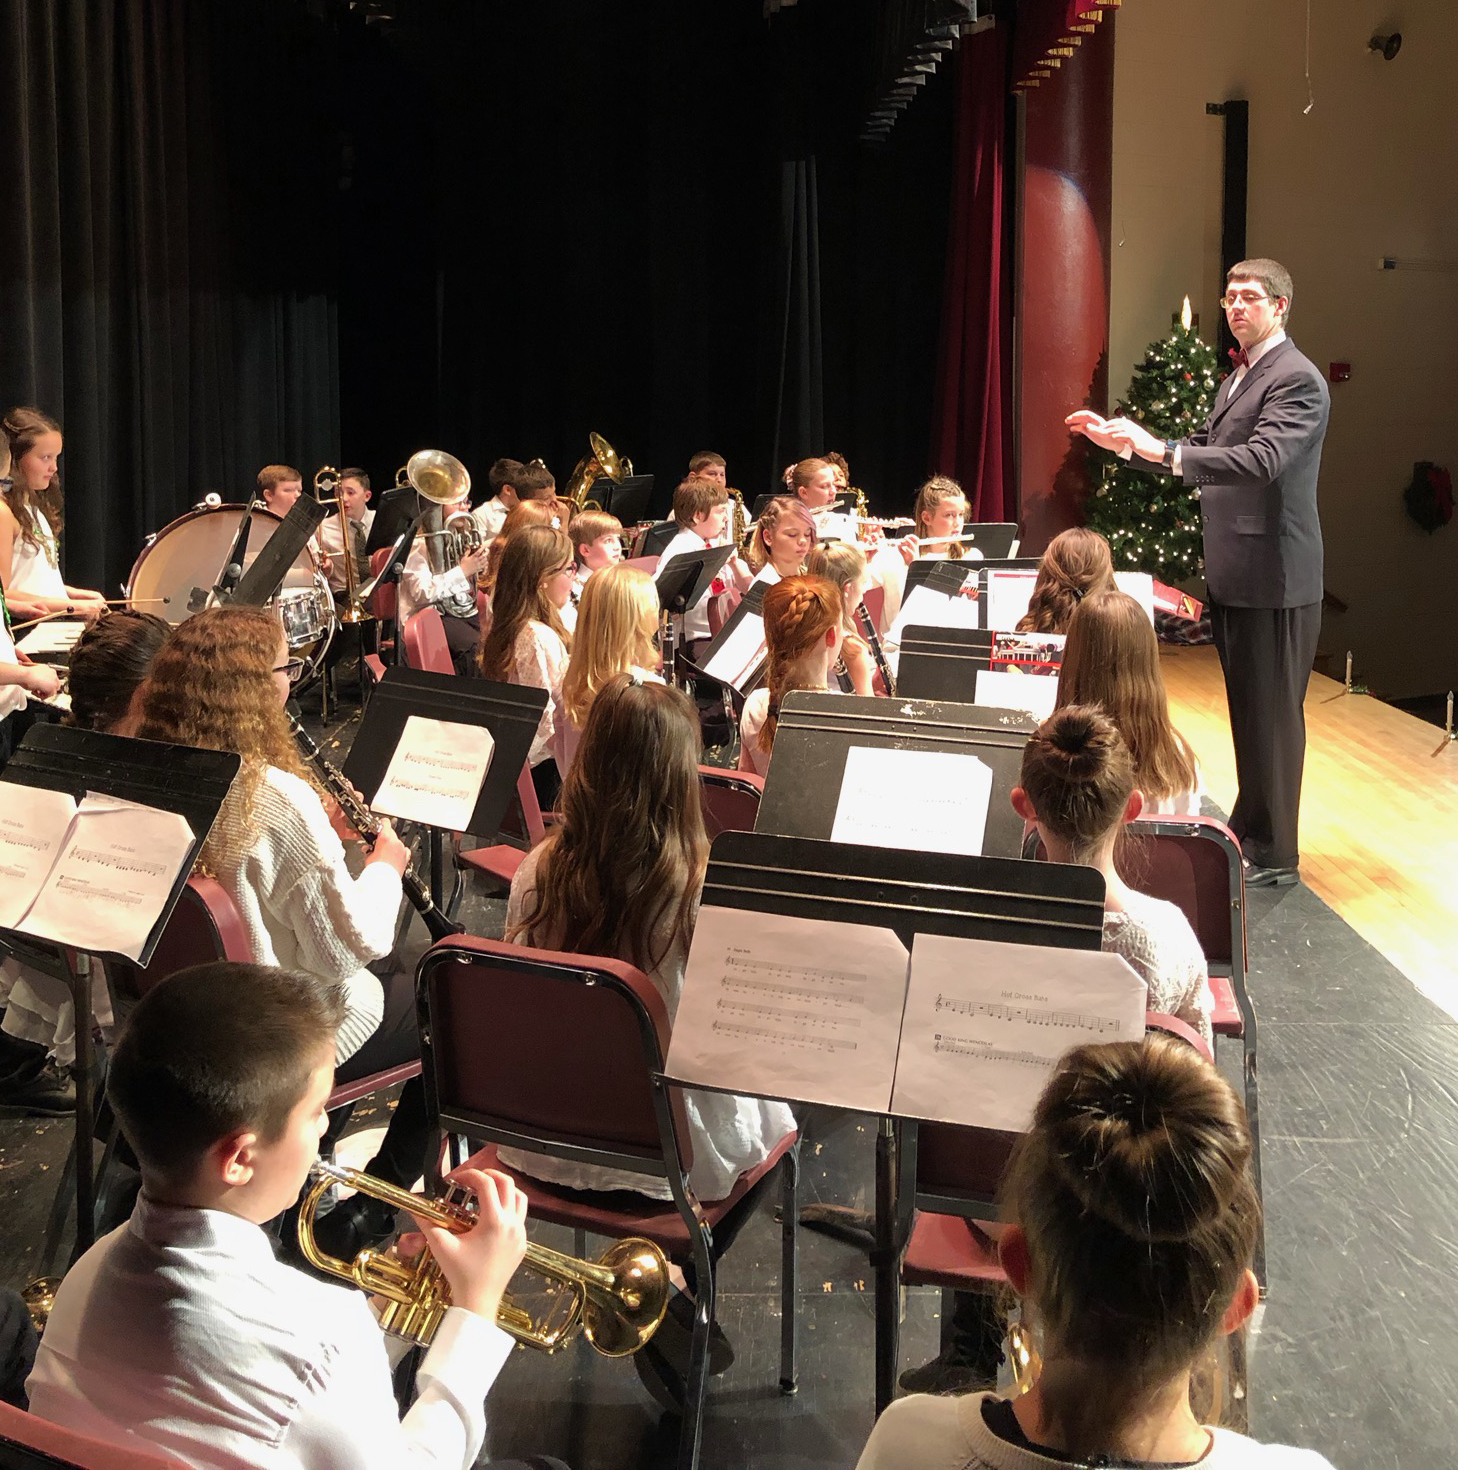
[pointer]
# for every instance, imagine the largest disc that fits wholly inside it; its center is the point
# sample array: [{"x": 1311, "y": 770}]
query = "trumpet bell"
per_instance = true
[
  {"x": 437, "y": 476},
  {"x": 618, "y": 1323}
]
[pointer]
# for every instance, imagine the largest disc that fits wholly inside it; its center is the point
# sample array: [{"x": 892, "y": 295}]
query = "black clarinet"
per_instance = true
[
  {"x": 367, "y": 824},
  {"x": 868, "y": 627}
]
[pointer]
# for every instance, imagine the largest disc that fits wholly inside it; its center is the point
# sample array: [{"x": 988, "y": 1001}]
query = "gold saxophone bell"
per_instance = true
[
  {"x": 601, "y": 461},
  {"x": 616, "y": 1302}
]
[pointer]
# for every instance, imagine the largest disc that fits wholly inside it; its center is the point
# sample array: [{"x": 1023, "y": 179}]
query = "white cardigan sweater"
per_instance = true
[{"x": 302, "y": 908}]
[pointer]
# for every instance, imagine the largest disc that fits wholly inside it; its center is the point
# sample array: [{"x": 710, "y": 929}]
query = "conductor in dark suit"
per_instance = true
[{"x": 1254, "y": 468}]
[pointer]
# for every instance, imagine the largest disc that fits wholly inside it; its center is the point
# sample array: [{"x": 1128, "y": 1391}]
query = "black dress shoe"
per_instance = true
[
  {"x": 1259, "y": 877},
  {"x": 48, "y": 1093},
  {"x": 358, "y": 1224}
]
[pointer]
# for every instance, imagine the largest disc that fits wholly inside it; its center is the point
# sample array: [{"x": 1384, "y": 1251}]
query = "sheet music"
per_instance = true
[
  {"x": 33, "y": 827},
  {"x": 1139, "y": 586},
  {"x": 774, "y": 1006},
  {"x": 740, "y": 654},
  {"x": 1015, "y": 689},
  {"x": 109, "y": 886},
  {"x": 925, "y": 800},
  {"x": 436, "y": 772},
  {"x": 986, "y": 1022},
  {"x": 927, "y": 608},
  {"x": 1008, "y": 595},
  {"x": 56, "y": 635}
]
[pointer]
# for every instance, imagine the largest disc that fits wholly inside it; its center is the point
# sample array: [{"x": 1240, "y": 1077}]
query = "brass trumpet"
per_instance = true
[{"x": 616, "y": 1302}]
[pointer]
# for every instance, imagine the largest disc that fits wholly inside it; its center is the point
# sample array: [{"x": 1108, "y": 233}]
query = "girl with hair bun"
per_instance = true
[
  {"x": 1076, "y": 563},
  {"x": 1134, "y": 1218},
  {"x": 30, "y": 521},
  {"x": 1078, "y": 789},
  {"x": 1112, "y": 660},
  {"x": 803, "y": 633}
]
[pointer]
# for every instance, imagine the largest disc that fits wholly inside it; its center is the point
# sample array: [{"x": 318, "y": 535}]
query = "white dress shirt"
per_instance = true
[
  {"x": 451, "y": 591},
  {"x": 180, "y": 1331},
  {"x": 491, "y": 517}
]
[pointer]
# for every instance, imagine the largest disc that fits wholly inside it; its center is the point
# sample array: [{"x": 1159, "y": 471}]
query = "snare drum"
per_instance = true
[{"x": 183, "y": 561}]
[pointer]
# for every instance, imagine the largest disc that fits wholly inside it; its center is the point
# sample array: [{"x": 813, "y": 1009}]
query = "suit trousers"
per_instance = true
[{"x": 1266, "y": 654}]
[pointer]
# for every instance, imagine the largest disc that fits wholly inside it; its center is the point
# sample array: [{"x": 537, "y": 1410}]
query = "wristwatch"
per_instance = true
[{"x": 1167, "y": 462}]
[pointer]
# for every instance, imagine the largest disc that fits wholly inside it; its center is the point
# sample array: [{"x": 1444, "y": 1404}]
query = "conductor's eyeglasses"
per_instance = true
[{"x": 1245, "y": 298}]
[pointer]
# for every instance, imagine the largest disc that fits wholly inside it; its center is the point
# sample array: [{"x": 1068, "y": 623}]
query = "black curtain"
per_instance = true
[{"x": 167, "y": 256}]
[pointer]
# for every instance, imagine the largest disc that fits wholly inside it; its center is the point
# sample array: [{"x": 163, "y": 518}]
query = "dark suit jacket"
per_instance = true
[{"x": 1255, "y": 464}]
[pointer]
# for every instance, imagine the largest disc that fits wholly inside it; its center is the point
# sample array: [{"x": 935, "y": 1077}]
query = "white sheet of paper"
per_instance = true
[
  {"x": 111, "y": 881},
  {"x": 33, "y": 827},
  {"x": 436, "y": 772},
  {"x": 1013, "y": 689},
  {"x": 806, "y": 1009},
  {"x": 925, "y": 800},
  {"x": 55, "y": 636},
  {"x": 1008, "y": 595},
  {"x": 925, "y": 608},
  {"x": 986, "y": 1023},
  {"x": 741, "y": 653},
  {"x": 1139, "y": 586}
]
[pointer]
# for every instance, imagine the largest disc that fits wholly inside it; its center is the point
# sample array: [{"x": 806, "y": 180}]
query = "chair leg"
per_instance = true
[
  {"x": 789, "y": 1269},
  {"x": 691, "y": 1433}
]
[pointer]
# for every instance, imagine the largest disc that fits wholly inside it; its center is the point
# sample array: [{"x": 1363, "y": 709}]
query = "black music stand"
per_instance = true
[
  {"x": 511, "y": 712},
  {"x": 683, "y": 583},
  {"x": 399, "y": 507},
  {"x": 750, "y": 605},
  {"x": 265, "y": 574},
  {"x": 942, "y": 663},
  {"x": 994, "y": 538},
  {"x": 816, "y": 732},
  {"x": 627, "y": 499},
  {"x": 390, "y": 572},
  {"x": 910, "y": 893},
  {"x": 170, "y": 778},
  {"x": 945, "y": 575}
]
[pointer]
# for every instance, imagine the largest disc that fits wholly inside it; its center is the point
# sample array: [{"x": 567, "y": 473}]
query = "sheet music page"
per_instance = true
[
  {"x": 436, "y": 772},
  {"x": 1139, "y": 586},
  {"x": 741, "y": 653},
  {"x": 925, "y": 608},
  {"x": 33, "y": 827},
  {"x": 986, "y": 1022},
  {"x": 1008, "y": 595},
  {"x": 54, "y": 636},
  {"x": 1014, "y": 689},
  {"x": 806, "y": 1009},
  {"x": 926, "y": 800},
  {"x": 112, "y": 879}
]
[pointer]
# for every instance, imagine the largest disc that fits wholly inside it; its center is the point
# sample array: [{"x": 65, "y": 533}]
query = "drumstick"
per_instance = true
[{"x": 72, "y": 612}]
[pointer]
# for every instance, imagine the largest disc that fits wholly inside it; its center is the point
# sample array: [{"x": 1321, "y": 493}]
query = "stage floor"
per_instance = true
[{"x": 1379, "y": 813}]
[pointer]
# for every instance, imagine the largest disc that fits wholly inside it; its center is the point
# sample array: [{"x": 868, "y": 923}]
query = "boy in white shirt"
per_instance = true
[
  {"x": 180, "y": 1332},
  {"x": 452, "y": 592},
  {"x": 706, "y": 465},
  {"x": 354, "y": 494},
  {"x": 597, "y": 542},
  {"x": 280, "y": 485},
  {"x": 701, "y": 508},
  {"x": 491, "y": 514}
]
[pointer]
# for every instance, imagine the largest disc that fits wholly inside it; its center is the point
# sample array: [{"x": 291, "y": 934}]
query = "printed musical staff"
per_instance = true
[{"x": 1029, "y": 1015}]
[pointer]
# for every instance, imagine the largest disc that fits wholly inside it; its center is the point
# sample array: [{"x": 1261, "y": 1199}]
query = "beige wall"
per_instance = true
[{"x": 1371, "y": 171}]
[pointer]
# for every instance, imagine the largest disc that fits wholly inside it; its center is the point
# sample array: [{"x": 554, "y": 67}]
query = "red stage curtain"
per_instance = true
[{"x": 972, "y": 425}]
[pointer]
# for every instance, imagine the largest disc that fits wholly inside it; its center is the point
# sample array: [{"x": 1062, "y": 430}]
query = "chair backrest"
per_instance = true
[
  {"x": 647, "y": 564},
  {"x": 29, "y": 1443},
  {"x": 531, "y": 808},
  {"x": 874, "y": 599},
  {"x": 548, "y": 1048},
  {"x": 425, "y": 642},
  {"x": 719, "y": 609},
  {"x": 384, "y": 602},
  {"x": 731, "y": 799},
  {"x": 204, "y": 926}
]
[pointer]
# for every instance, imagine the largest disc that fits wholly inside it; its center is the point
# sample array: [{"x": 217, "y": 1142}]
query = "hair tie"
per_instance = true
[
  {"x": 1077, "y": 593},
  {"x": 774, "y": 708},
  {"x": 635, "y": 678}
]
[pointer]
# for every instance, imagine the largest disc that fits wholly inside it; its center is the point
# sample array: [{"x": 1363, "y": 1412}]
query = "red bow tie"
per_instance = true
[{"x": 1239, "y": 357}]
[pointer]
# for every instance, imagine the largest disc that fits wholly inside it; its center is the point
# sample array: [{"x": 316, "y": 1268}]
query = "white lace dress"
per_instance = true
[{"x": 1157, "y": 941}]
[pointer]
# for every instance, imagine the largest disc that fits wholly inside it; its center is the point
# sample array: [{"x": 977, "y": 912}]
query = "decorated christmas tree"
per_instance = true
[{"x": 1151, "y": 521}]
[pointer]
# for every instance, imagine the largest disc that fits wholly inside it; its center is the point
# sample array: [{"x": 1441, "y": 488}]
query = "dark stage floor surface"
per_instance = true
[{"x": 1357, "y": 1355}]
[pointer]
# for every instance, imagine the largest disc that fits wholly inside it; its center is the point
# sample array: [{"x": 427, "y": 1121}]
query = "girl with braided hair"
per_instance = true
[{"x": 803, "y": 631}]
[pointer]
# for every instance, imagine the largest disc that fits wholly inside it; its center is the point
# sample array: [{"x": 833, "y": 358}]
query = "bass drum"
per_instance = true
[{"x": 183, "y": 560}]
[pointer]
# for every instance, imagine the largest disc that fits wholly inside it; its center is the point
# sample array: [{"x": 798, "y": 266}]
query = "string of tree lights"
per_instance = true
[{"x": 1151, "y": 521}]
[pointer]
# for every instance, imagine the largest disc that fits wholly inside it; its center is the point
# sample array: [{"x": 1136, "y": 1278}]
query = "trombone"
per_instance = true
[
  {"x": 326, "y": 492},
  {"x": 616, "y": 1302}
]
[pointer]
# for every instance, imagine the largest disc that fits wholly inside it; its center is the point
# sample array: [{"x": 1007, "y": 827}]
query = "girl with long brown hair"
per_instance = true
[
  {"x": 616, "y": 623},
  {"x": 783, "y": 537},
  {"x": 620, "y": 876},
  {"x": 1133, "y": 1219},
  {"x": 803, "y": 633},
  {"x": 845, "y": 565},
  {"x": 1075, "y": 563},
  {"x": 31, "y": 522},
  {"x": 528, "y": 642},
  {"x": 1111, "y": 660}
]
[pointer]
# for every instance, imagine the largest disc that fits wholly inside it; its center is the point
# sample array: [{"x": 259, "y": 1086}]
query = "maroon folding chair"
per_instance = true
[
  {"x": 385, "y": 605},
  {"x": 731, "y": 799},
  {"x": 29, "y": 1443},
  {"x": 949, "y": 1177},
  {"x": 497, "y": 1022},
  {"x": 425, "y": 642}
]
